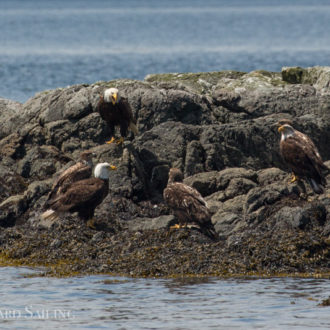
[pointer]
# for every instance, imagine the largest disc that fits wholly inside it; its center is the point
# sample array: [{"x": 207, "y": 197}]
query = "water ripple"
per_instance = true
[{"x": 124, "y": 303}]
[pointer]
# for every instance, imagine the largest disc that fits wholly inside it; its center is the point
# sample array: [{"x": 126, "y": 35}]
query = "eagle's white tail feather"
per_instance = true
[
  {"x": 133, "y": 128},
  {"x": 49, "y": 214}
]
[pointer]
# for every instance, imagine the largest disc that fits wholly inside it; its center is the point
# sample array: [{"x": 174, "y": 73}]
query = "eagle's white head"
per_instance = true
[
  {"x": 111, "y": 95},
  {"x": 102, "y": 170},
  {"x": 286, "y": 131}
]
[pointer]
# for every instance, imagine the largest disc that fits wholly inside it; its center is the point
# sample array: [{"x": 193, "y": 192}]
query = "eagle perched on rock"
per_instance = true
[
  {"x": 187, "y": 204},
  {"x": 302, "y": 156},
  {"x": 116, "y": 111},
  {"x": 81, "y": 170},
  {"x": 82, "y": 196}
]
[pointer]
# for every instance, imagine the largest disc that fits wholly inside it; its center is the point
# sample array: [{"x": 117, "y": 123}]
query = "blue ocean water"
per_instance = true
[
  {"x": 103, "y": 302},
  {"x": 50, "y": 44}
]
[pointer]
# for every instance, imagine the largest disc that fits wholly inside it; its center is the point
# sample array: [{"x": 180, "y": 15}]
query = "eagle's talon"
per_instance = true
[
  {"x": 176, "y": 226},
  {"x": 294, "y": 178},
  {"x": 111, "y": 141}
]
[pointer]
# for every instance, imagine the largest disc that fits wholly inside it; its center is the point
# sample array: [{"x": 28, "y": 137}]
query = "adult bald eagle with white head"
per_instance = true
[
  {"x": 79, "y": 171},
  {"x": 302, "y": 156},
  {"x": 116, "y": 111},
  {"x": 82, "y": 196}
]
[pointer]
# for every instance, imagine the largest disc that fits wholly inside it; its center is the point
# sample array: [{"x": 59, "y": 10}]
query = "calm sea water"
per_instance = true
[
  {"x": 49, "y": 44},
  {"x": 125, "y": 303}
]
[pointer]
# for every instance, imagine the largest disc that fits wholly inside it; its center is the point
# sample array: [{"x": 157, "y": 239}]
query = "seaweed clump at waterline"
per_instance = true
[{"x": 219, "y": 128}]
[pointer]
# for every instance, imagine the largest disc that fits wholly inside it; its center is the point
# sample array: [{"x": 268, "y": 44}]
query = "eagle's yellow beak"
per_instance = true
[
  {"x": 280, "y": 129},
  {"x": 114, "y": 98},
  {"x": 112, "y": 167}
]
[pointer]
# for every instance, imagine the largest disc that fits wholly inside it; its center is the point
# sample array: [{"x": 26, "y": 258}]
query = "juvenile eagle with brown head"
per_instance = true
[
  {"x": 302, "y": 156},
  {"x": 116, "y": 111},
  {"x": 79, "y": 171},
  {"x": 187, "y": 204},
  {"x": 82, "y": 196}
]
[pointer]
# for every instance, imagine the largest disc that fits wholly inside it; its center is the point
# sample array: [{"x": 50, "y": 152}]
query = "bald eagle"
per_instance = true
[
  {"x": 187, "y": 204},
  {"x": 81, "y": 170},
  {"x": 82, "y": 196},
  {"x": 302, "y": 156},
  {"x": 116, "y": 111}
]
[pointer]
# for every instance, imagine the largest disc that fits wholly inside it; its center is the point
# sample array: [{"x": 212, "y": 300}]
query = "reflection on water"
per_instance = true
[{"x": 186, "y": 303}]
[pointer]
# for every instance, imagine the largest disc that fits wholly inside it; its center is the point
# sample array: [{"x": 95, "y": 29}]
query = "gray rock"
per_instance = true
[
  {"x": 233, "y": 180},
  {"x": 258, "y": 197},
  {"x": 151, "y": 223},
  {"x": 11, "y": 209},
  {"x": 227, "y": 224},
  {"x": 269, "y": 175},
  {"x": 218, "y": 128},
  {"x": 10, "y": 115},
  {"x": 300, "y": 217}
]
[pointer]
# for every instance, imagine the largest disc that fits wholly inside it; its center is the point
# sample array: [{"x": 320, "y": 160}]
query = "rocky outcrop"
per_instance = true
[{"x": 218, "y": 128}]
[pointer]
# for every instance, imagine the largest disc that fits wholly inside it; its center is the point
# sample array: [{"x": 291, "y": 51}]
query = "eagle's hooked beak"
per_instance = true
[
  {"x": 280, "y": 129},
  {"x": 112, "y": 167},
  {"x": 114, "y": 98}
]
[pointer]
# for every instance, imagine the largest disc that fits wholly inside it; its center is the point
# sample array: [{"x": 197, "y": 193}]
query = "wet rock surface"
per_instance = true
[{"x": 219, "y": 129}]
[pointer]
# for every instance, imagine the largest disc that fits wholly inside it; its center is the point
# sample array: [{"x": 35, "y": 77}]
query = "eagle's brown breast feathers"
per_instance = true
[{"x": 119, "y": 114}]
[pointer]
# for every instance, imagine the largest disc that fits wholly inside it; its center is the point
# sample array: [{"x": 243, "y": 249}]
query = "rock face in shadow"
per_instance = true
[{"x": 219, "y": 128}]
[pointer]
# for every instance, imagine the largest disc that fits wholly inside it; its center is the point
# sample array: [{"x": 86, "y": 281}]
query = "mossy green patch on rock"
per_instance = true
[
  {"x": 317, "y": 76},
  {"x": 293, "y": 75}
]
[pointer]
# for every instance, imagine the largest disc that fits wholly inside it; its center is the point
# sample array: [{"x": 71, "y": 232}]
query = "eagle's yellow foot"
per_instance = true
[
  {"x": 178, "y": 226},
  {"x": 294, "y": 178},
  {"x": 120, "y": 141},
  {"x": 91, "y": 224},
  {"x": 111, "y": 141}
]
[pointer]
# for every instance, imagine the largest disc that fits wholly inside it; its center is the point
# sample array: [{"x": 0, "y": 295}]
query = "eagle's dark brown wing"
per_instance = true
[
  {"x": 77, "y": 172},
  {"x": 126, "y": 110},
  {"x": 189, "y": 206},
  {"x": 82, "y": 197},
  {"x": 312, "y": 149},
  {"x": 127, "y": 120}
]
